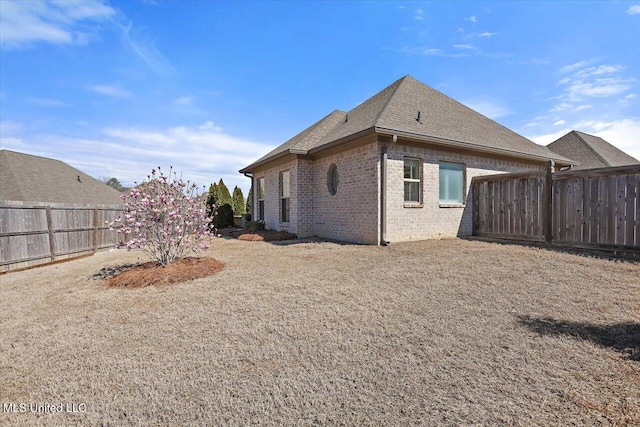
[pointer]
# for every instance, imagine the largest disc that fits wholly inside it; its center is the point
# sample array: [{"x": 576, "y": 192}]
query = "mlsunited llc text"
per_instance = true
[{"x": 44, "y": 408}]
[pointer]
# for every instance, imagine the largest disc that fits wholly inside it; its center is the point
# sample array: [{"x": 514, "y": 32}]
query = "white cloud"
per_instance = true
[
  {"x": 147, "y": 51},
  {"x": 114, "y": 90},
  {"x": 634, "y": 9},
  {"x": 421, "y": 51},
  {"x": 531, "y": 124},
  {"x": 472, "y": 19},
  {"x": 202, "y": 153},
  {"x": 630, "y": 96},
  {"x": 183, "y": 100},
  {"x": 46, "y": 102},
  {"x": 489, "y": 108},
  {"x": 548, "y": 138},
  {"x": 600, "y": 70},
  {"x": 624, "y": 133},
  {"x": 25, "y": 23},
  {"x": 586, "y": 81},
  {"x": 582, "y": 107},
  {"x": 431, "y": 52},
  {"x": 418, "y": 15},
  {"x": 559, "y": 123},
  {"x": 9, "y": 127},
  {"x": 563, "y": 106},
  {"x": 464, "y": 46},
  {"x": 598, "y": 88},
  {"x": 210, "y": 126},
  {"x": 573, "y": 67},
  {"x": 621, "y": 133},
  {"x": 487, "y": 34}
]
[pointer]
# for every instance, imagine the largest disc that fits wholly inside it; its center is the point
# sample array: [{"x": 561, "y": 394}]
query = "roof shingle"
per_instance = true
[
  {"x": 28, "y": 178},
  {"x": 396, "y": 108},
  {"x": 591, "y": 151}
]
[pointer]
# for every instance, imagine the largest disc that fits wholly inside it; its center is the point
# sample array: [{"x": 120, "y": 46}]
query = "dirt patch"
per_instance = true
[
  {"x": 258, "y": 235},
  {"x": 266, "y": 236},
  {"x": 153, "y": 274}
]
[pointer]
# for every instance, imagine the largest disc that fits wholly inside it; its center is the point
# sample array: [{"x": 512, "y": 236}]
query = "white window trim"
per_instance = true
[
  {"x": 281, "y": 179},
  {"x": 464, "y": 186},
  {"x": 419, "y": 203},
  {"x": 260, "y": 199}
]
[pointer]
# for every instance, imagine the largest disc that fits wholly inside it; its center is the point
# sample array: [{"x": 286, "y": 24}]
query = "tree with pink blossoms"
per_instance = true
[{"x": 164, "y": 216}]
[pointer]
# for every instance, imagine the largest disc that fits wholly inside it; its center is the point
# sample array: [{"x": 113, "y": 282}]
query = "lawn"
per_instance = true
[{"x": 316, "y": 333}]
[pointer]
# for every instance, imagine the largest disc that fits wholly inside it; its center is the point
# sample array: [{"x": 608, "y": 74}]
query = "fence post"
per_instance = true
[
  {"x": 52, "y": 246},
  {"x": 95, "y": 230},
  {"x": 475, "y": 205},
  {"x": 547, "y": 201}
]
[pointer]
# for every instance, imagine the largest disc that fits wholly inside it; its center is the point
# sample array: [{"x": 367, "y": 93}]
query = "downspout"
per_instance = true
[
  {"x": 253, "y": 195},
  {"x": 383, "y": 192}
]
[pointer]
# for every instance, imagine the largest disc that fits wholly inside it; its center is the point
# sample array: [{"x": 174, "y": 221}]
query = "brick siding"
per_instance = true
[
  {"x": 353, "y": 213},
  {"x": 430, "y": 220}
]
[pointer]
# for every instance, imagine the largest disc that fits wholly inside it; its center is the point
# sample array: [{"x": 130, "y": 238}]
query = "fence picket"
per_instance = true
[
  {"x": 597, "y": 208},
  {"x": 32, "y": 234}
]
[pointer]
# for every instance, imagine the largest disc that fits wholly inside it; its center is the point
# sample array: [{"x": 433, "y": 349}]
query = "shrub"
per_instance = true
[
  {"x": 223, "y": 216},
  {"x": 165, "y": 216},
  {"x": 255, "y": 225},
  {"x": 238, "y": 201}
]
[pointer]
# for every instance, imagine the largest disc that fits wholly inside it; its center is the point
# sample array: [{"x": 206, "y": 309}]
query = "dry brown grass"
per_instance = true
[
  {"x": 439, "y": 333},
  {"x": 152, "y": 274}
]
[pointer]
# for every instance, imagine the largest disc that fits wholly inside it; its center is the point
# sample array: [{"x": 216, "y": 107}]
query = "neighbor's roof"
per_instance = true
[
  {"x": 395, "y": 110},
  {"x": 28, "y": 178},
  {"x": 591, "y": 151}
]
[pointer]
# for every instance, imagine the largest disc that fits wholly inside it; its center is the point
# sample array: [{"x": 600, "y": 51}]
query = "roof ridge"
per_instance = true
[
  {"x": 310, "y": 129},
  {"x": 593, "y": 150},
  {"x": 399, "y": 82},
  {"x": 32, "y": 155}
]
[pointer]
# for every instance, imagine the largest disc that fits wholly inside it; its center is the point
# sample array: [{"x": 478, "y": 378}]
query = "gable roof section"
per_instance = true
[
  {"x": 28, "y": 178},
  {"x": 591, "y": 151},
  {"x": 395, "y": 109}
]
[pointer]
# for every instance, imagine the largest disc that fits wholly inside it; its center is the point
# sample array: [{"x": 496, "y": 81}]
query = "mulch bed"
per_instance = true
[
  {"x": 257, "y": 235},
  {"x": 153, "y": 274}
]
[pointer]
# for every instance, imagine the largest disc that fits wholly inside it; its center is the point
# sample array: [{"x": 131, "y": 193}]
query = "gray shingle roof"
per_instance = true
[
  {"x": 591, "y": 151},
  {"x": 28, "y": 178},
  {"x": 396, "y": 108}
]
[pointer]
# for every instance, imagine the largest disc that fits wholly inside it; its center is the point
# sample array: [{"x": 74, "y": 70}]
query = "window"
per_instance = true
[
  {"x": 411, "y": 180},
  {"x": 285, "y": 195},
  {"x": 451, "y": 183},
  {"x": 332, "y": 179},
  {"x": 261, "y": 199}
]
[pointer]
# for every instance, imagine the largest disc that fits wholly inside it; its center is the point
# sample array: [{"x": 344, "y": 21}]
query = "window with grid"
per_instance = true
[
  {"x": 261, "y": 199},
  {"x": 412, "y": 178},
  {"x": 285, "y": 196}
]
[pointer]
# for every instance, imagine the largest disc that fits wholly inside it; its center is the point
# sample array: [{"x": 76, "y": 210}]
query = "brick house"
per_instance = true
[{"x": 395, "y": 168}]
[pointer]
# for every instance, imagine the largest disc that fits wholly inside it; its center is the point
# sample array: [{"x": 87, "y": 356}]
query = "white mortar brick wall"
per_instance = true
[
  {"x": 352, "y": 214},
  {"x": 430, "y": 220},
  {"x": 272, "y": 197},
  {"x": 304, "y": 188}
]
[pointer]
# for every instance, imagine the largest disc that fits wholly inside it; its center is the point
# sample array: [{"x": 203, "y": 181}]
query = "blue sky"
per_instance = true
[{"x": 116, "y": 88}]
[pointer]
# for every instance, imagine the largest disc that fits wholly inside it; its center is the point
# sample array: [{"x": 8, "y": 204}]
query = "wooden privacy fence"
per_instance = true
[
  {"x": 592, "y": 208},
  {"x": 32, "y": 234}
]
